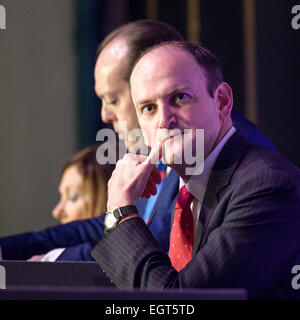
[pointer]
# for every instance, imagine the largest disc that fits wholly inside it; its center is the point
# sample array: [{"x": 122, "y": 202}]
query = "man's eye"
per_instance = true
[
  {"x": 113, "y": 102},
  {"x": 180, "y": 97},
  {"x": 149, "y": 108}
]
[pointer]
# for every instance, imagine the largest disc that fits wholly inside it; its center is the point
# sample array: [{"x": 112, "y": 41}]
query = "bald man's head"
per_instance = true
[
  {"x": 116, "y": 57},
  {"x": 113, "y": 90}
]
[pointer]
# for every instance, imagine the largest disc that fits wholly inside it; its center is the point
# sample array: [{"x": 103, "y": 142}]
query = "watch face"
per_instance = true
[{"x": 110, "y": 220}]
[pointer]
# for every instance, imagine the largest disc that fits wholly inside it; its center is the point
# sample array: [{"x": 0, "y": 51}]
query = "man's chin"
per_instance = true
[{"x": 171, "y": 159}]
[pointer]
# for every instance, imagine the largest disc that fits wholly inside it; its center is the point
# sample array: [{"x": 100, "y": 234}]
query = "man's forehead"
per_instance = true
[
  {"x": 108, "y": 74},
  {"x": 116, "y": 49},
  {"x": 163, "y": 56},
  {"x": 111, "y": 55},
  {"x": 166, "y": 61}
]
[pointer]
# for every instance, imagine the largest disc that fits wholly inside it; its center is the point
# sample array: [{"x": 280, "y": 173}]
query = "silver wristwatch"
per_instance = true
[{"x": 112, "y": 218}]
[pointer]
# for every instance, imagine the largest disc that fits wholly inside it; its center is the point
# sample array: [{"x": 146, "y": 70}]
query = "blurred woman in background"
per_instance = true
[
  {"x": 83, "y": 187},
  {"x": 83, "y": 192}
]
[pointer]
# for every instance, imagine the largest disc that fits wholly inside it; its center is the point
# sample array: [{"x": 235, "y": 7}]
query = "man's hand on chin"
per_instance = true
[{"x": 134, "y": 176}]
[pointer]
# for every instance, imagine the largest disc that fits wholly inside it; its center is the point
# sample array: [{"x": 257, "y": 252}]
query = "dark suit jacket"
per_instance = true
[
  {"x": 80, "y": 236},
  {"x": 251, "y": 131},
  {"x": 249, "y": 238},
  {"x": 24, "y": 246},
  {"x": 159, "y": 222}
]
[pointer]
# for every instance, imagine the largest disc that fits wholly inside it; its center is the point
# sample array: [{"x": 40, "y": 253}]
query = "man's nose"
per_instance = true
[
  {"x": 167, "y": 119},
  {"x": 107, "y": 115}
]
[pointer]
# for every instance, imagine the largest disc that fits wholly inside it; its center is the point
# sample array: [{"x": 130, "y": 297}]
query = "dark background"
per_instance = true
[{"x": 277, "y": 59}]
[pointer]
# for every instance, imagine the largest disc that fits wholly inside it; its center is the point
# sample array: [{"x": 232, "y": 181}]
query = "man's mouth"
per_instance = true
[{"x": 169, "y": 135}]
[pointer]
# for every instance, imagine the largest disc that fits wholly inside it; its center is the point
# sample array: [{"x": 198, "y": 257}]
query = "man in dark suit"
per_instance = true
[
  {"x": 112, "y": 85},
  {"x": 235, "y": 225}
]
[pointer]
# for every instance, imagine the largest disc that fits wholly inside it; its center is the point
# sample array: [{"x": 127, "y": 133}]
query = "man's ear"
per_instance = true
[{"x": 224, "y": 99}]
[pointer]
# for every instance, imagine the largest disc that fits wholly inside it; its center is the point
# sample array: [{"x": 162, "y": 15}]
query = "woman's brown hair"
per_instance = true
[{"x": 94, "y": 173}]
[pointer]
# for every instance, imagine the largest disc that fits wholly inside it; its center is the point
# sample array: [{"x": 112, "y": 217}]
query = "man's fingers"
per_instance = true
[
  {"x": 145, "y": 194},
  {"x": 134, "y": 158},
  {"x": 155, "y": 174},
  {"x": 150, "y": 188},
  {"x": 155, "y": 154},
  {"x": 146, "y": 168}
]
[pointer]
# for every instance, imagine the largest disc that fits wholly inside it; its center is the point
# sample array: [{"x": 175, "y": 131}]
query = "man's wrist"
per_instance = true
[
  {"x": 127, "y": 218},
  {"x": 111, "y": 206},
  {"x": 118, "y": 215}
]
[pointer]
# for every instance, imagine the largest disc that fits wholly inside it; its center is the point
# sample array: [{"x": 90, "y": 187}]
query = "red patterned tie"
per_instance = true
[{"x": 182, "y": 232}]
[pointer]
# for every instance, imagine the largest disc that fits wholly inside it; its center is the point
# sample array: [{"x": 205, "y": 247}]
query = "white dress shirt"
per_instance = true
[{"x": 53, "y": 254}]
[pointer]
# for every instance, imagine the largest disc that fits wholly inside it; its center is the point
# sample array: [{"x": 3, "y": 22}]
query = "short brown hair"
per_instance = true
[
  {"x": 142, "y": 36},
  {"x": 208, "y": 61}
]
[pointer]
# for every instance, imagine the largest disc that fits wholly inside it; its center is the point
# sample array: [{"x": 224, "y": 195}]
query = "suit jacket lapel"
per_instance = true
[
  {"x": 220, "y": 177},
  {"x": 208, "y": 206}
]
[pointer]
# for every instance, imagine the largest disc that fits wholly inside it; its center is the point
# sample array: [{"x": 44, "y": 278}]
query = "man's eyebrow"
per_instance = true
[
  {"x": 143, "y": 102},
  {"x": 102, "y": 95},
  {"x": 173, "y": 90},
  {"x": 98, "y": 94},
  {"x": 178, "y": 88}
]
